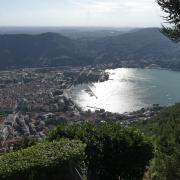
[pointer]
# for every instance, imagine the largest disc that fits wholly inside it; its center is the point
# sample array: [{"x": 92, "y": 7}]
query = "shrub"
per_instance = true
[
  {"x": 112, "y": 151},
  {"x": 25, "y": 143},
  {"x": 52, "y": 160}
]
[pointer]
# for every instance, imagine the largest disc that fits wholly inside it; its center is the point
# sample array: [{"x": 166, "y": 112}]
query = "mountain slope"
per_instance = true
[
  {"x": 145, "y": 44},
  {"x": 140, "y": 47},
  {"x": 47, "y": 49}
]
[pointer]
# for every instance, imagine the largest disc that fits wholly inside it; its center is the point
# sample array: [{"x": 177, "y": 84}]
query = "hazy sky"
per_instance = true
[{"x": 124, "y": 13}]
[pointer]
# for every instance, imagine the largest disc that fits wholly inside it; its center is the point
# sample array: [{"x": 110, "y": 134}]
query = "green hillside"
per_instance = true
[{"x": 165, "y": 130}]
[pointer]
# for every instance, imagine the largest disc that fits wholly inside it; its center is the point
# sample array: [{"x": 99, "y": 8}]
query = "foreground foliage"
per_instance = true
[
  {"x": 166, "y": 163},
  {"x": 55, "y": 160},
  {"x": 165, "y": 130},
  {"x": 112, "y": 151},
  {"x": 172, "y": 10}
]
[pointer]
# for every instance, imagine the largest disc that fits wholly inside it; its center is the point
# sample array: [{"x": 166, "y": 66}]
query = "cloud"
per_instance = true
[
  {"x": 110, "y": 6},
  {"x": 81, "y": 12},
  {"x": 99, "y": 6},
  {"x": 120, "y": 12}
]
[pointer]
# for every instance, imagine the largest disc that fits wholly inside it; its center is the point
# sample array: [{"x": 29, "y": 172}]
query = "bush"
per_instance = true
[
  {"x": 25, "y": 143},
  {"x": 112, "y": 151},
  {"x": 55, "y": 160}
]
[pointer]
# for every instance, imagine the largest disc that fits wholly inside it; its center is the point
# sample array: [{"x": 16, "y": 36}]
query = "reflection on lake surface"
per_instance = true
[{"x": 129, "y": 90}]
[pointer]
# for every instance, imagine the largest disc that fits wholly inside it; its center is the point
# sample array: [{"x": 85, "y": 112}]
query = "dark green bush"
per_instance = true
[
  {"x": 112, "y": 151},
  {"x": 54, "y": 160},
  {"x": 25, "y": 143}
]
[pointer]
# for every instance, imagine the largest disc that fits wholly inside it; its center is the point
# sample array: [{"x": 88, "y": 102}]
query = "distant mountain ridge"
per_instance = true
[
  {"x": 141, "y": 46},
  {"x": 144, "y": 44},
  {"x": 49, "y": 49}
]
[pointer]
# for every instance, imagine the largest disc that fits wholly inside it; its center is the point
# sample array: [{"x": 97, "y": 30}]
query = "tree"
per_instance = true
[
  {"x": 172, "y": 9},
  {"x": 166, "y": 164},
  {"x": 112, "y": 151}
]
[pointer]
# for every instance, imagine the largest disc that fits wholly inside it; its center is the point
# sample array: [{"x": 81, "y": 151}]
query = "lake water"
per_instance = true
[{"x": 129, "y": 89}]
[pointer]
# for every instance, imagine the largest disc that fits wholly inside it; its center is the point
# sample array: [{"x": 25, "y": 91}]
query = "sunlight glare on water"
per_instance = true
[{"x": 129, "y": 89}]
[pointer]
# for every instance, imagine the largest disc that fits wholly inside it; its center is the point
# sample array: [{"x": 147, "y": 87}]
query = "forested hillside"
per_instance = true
[
  {"x": 47, "y": 49},
  {"x": 165, "y": 130},
  {"x": 138, "y": 48},
  {"x": 144, "y": 45}
]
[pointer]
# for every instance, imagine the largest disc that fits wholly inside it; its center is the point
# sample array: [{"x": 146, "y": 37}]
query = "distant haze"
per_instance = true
[{"x": 116, "y": 13}]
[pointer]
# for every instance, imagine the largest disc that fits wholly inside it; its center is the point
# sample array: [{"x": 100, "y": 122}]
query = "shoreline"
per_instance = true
[
  {"x": 94, "y": 108},
  {"x": 33, "y": 101}
]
